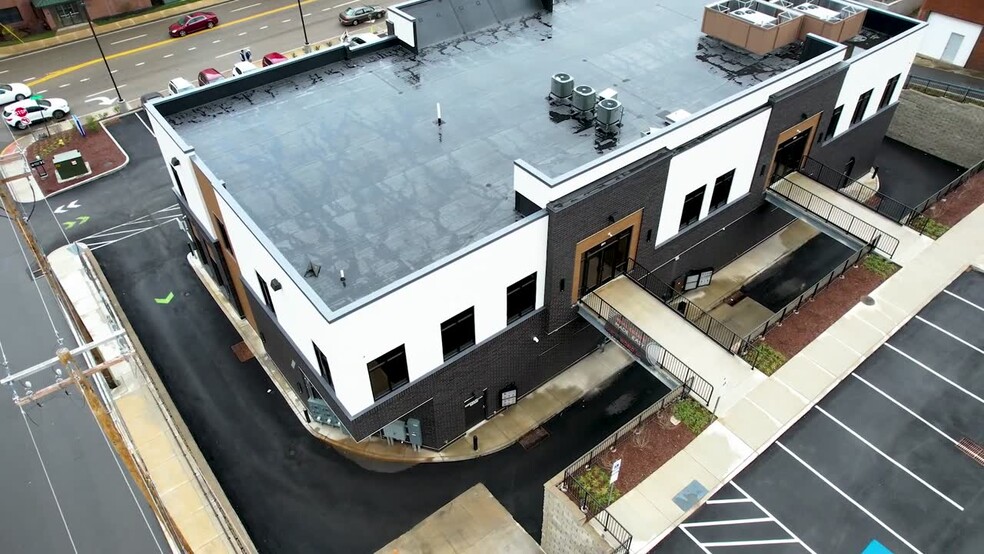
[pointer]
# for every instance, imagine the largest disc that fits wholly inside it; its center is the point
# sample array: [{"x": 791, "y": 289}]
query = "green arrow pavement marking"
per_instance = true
[
  {"x": 77, "y": 221},
  {"x": 68, "y": 224},
  {"x": 166, "y": 300},
  {"x": 82, "y": 219}
]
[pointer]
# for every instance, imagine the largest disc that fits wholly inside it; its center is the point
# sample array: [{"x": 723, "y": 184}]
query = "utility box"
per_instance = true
[{"x": 69, "y": 165}]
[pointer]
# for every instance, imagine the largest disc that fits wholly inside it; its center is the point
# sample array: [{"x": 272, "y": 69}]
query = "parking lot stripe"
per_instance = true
[
  {"x": 942, "y": 377},
  {"x": 727, "y": 522},
  {"x": 749, "y": 543},
  {"x": 774, "y": 518},
  {"x": 889, "y": 458},
  {"x": 949, "y": 334},
  {"x": 904, "y": 407},
  {"x": 846, "y": 497},
  {"x": 694, "y": 539},
  {"x": 728, "y": 501},
  {"x": 962, "y": 299}
]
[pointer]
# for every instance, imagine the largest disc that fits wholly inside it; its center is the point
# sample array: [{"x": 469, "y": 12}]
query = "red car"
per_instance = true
[
  {"x": 209, "y": 75},
  {"x": 190, "y": 23},
  {"x": 272, "y": 58}
]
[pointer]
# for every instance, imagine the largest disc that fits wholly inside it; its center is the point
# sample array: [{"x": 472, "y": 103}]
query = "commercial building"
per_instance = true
[
  {"x": 954, "y": 33},
  {"x": 37, "y": 15},
  {"x": 412, "y": 225}
]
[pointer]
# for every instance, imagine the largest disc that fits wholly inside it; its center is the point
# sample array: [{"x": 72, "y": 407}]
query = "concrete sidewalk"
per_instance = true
[
  {"x": 162, "y": 445},
  {"x": 749, "y": 425},
  {"x": 497, "y": 433}
]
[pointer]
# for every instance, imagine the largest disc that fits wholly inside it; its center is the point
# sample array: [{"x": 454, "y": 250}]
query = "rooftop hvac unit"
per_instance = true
[
  {"x": 608, "y": 114},
  {"x": 561, "y": 86},
  {"x": 584, "y": 98}
]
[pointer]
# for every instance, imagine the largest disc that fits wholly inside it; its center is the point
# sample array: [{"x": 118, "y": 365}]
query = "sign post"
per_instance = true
[
  {"x": 38, "y": 163},
  {"x": 616, "y": 468}
]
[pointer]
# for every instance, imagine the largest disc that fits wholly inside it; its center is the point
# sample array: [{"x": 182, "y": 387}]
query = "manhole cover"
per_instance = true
[
  {"x": 533, "y": 438},
  {"x": 868, "y": 301}
]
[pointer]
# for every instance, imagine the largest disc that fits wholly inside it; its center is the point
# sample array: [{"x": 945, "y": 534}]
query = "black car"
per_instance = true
[{"x": 360, "y": 14}]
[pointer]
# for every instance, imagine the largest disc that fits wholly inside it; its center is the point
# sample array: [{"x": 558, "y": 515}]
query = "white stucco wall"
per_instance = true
[
  {"x": 185, "y": 172},
  {"x": 939, "y": 31},
  {"x": 402, "y": 26}
]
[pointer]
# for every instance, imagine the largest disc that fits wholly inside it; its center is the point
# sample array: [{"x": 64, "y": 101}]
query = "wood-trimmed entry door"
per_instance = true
[{"x": 605, "y": 261}]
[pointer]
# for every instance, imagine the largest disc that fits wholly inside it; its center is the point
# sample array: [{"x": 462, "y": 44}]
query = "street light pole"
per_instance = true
[
  {"x": 300, "y": 10},
  {"x": 85, "y": 10}
]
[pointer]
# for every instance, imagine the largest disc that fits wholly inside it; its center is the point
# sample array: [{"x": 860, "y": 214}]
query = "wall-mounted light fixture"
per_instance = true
[
  {"x": 275, "y": 285},
  {"x": 175, "y": 162}
]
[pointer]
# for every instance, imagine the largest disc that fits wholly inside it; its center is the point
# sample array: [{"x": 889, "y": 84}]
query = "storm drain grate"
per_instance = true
[
  {"x": 533, "y": 438},
  {"x": 242, "y": 352}
]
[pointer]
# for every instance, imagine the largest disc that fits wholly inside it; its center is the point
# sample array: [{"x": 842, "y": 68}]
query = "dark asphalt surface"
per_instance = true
[
  {"x": 821, "y": 517},
  {"x": 910, "y": 175},
  {"x": 796, "y": 272},
  {"x": 947, "y": 77},
  {"x": 95, "y": 507}
]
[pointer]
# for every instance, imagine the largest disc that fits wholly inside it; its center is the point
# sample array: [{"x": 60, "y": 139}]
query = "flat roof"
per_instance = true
[{"x": 345, "y": 166}]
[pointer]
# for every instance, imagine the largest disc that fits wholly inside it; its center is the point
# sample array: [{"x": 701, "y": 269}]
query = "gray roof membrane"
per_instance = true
[{"x": 345, "y": 165}]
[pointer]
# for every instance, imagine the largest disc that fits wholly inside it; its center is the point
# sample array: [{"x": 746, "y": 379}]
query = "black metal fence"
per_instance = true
[
  {"x": 869, "y": 197},
  {"x": 645, "y": 348},
  {"x": 673, "y": 299},
  {"x": 611, "y": 526},
  {"x": 954, "y": 184},
  {"x": 865, "y": 232},
  {"x": 956, "y": 93},
  {"x": 794, "y": 305}
]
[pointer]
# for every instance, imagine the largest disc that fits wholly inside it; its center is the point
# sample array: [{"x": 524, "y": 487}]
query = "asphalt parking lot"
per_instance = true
[{"x": 879, "y": 465}]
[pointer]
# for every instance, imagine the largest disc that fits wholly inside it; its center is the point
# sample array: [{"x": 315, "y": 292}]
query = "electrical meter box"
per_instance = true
[{"x": 69, "y": 165}]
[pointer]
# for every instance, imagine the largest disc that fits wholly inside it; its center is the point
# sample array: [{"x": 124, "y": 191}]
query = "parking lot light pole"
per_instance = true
[
  {"x": 85, "y": 10},
  {"x": 303, "y": 26}
]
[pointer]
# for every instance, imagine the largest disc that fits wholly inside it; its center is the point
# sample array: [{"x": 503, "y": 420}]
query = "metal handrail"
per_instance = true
[
  {"x": 868, "y": 197},
  {"x": 829, "y": 213},
  {"x": 960, "y": 180},
  {"x": 960, "y": 93}
]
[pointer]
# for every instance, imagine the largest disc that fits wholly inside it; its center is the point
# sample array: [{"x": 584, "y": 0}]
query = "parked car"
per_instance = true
[
  {"x": 191, "y": 23},
  {"x": 273, "y": 57},
  {"x": 149, "y": 97},
  {"x": 28, "y": 112},
  {"x": 209, "y": 75},
  {"x": 363, "y": 38},
  {"x": 242, "y": 68},
  {"x": 178, "y": 85},
  {"x": 13, "y": 92},
  {"x": 361, "y": 14}
]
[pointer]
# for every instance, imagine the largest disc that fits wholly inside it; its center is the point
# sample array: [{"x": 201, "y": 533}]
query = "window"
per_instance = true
[
  {"x": 691, "y": 208},
  {"x": 177, "y": 180},
  {"x": 698, "y": 278},
  {"x": 458, "y": 333},
  {"x": 834, "y": 120},
  {"x": 860, "y": 109},
  {"x": 521, "y": 298},
  {"x": 889, "y": 91},
  {"x": 10, "y": 15},
  {"x": 388, "y": 372},
  {"x": 267, "y": 299},
  {"x": 722, "y": 189},
  {"x": 224, "y": 236},
  {"x": 323, "y": 368}
]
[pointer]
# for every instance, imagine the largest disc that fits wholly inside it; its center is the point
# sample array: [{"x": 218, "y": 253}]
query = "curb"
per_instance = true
[{"x": 126, "y": 162}]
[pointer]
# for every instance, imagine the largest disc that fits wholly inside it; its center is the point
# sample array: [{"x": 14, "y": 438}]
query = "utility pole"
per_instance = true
[
  {"x": 300, "y": 10},
  {"x": 88, "y": 19}
]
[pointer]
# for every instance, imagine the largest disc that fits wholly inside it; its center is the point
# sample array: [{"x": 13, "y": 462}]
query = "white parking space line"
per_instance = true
[
  {"x": 749, "y": 543},
  {"x": 127, "y": 39},
  {"x": 774, "y": 518},
  {"x": 695, "y": 541},
  {"x": 728, "y": 501},
  {"x": 905, "y": 408},
  {"x": 245, "y": 8},
  {"x": 962, "y": 299},
  {"x": 344, "y": 4},
  {"x": 727, "y": 522},
  {"x": 103, "y": 91},
  {"x": 942, "y": 377},
  {"x": 843, "y": 494},
  {"x": 144, "y": 123},
  {"x": 888, "y": 458},
  {"x": 949, "y": 334}
]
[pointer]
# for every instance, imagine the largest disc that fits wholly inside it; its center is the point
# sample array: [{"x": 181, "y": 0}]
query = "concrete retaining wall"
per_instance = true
[
  {"x": 944, "y": 128},
  {"x": 564, "y": 529}
]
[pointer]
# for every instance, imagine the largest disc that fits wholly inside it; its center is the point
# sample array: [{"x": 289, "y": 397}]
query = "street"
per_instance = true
[{"x": 144, "y": 58}]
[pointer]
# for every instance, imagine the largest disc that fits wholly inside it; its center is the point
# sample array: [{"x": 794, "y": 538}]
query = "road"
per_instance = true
[
  {"x": 63, "y": 489},
  {"x": 144, "y": 59}
]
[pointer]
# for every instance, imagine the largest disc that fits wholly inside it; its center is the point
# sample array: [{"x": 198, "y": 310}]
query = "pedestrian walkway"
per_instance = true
[
  {"x": 499, "y": 432},
  {"x": 746, "y": 427},
  {"x": 473, "y": 523},
  {"x": 179, "y": 476}
]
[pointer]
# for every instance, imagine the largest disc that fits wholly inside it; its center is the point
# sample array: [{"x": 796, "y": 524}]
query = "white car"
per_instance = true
[
  {"x": 241, "y": 68},
  {"x": 13, "y": 92},
  {"x": 27, "y": 112}
]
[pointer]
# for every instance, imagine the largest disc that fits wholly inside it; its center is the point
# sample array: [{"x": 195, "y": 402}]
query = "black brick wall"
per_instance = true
[{"x": 861, "y": 142}]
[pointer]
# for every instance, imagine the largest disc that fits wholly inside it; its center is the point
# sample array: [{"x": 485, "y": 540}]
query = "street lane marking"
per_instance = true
[
  {"x": 904, "y": 407},
  {"x": 846, "y": 497},
  {"x": 727, "y": 522},
  {"x": 65, "y": 85},
  {"x": 774, "y": 518},
  {"x": 127, "y": 39},
  {"x": 103, "y": 91},
  {"x": 193, "y": 48},
  {"x": 286, "y": 21},
  {"x": 141, "y": 63},
  {"x": 949, "y": 334},
  {"x": 750, "y": 543},
  {"x": 728, "y": 501},
  {"x": 66, "y": 70},
  {"x": 114, "y": 71},
  {"x": 942, "y": 377},
  {"x": 327, "y": 9},
  {"x": 4, "y": 71},
  {"x": 244, "y": 8},
  {"x": 31, "y": 79},
  {"x": 344, "y": 4},
  {"x": 307, "y": 15},
  {"x": 83, "y": 80},
  {"x": 241, "y": 34},
  {"x": 47, "y": 478},
  {"x": 264, "y": 27},
  {"x": 168, "y": 55},
  {"x": 42, "y": 91},
  {"x": 227, "y": 54},
  {"x": 888, "y": 458},
  {"x": 216, "y": 41},
  {"x": 962, "y": 299}
]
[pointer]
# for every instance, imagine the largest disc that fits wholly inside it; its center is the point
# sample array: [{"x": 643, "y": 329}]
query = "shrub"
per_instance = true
[
  {"x": 930, "y": 227},
  {"x": 695, "y": 416},
  {"x": 765, "y": 358},
  {"x": 91, "y": 125},
  {"x": 879, "y": 266},
  {"x": 595, "y": 482}
]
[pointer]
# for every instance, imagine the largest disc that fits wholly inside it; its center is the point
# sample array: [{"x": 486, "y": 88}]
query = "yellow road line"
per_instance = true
[{"x": 65, "y": 71}]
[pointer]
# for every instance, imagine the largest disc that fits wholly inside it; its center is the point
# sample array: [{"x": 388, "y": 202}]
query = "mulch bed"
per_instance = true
[
  {"x": 646, "y": 448},
  {"x": 97, "y": 149},
  {"x": 818, "y": 314},
  {"x": 958, "y": 203}
]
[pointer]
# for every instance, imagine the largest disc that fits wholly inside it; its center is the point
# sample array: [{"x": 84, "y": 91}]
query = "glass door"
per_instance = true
[
  {"x": 69, "y": 14},
  {"x": 789, "y": 155},
  {"x": 605, "y": 261}
]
